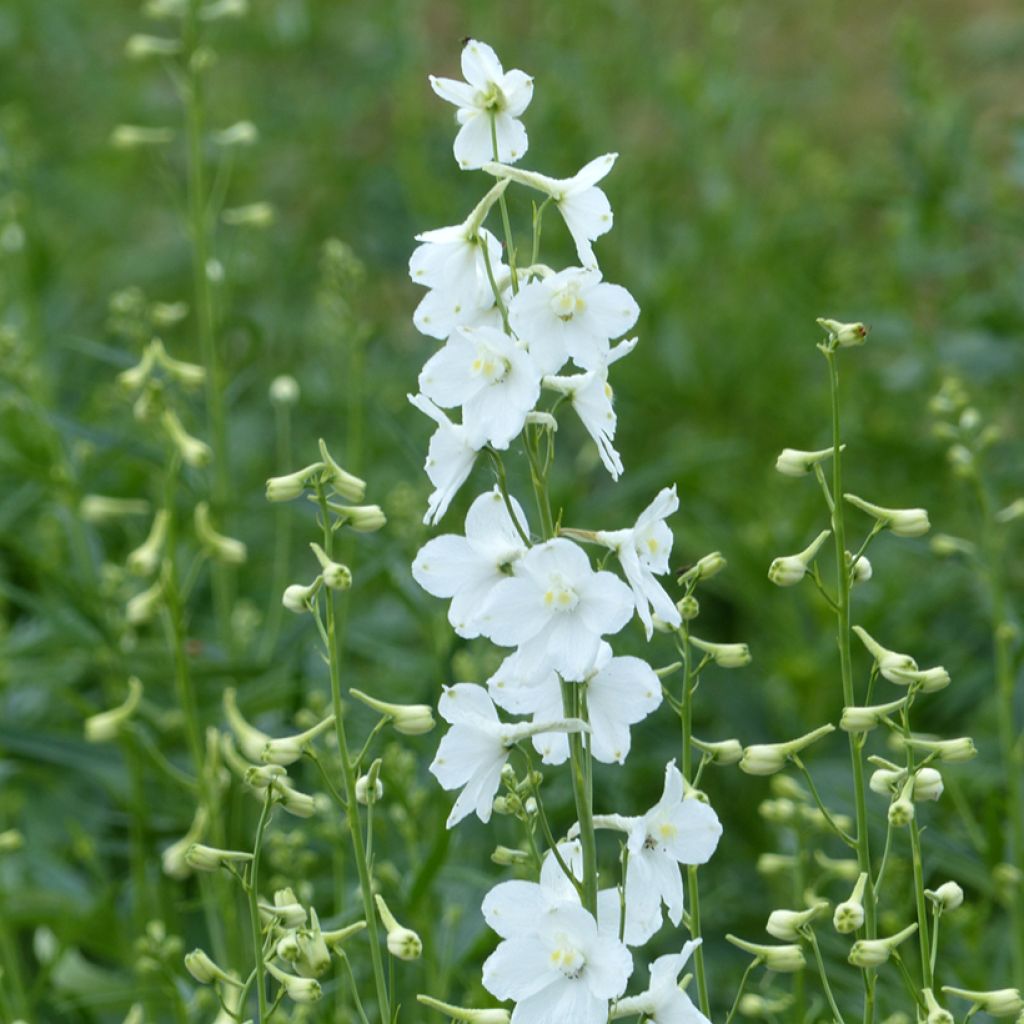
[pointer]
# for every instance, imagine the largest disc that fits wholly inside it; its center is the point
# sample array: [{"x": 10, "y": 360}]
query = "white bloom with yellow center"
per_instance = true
[
  {"x": 489, "y": 103},
  {"x": 556, "y": 609},
  {"x": 490, "y": 376},
  {"x": 467, "y": 568},
  {"x": 571, "y": 314},
  {"x": 643, "y": 553}
]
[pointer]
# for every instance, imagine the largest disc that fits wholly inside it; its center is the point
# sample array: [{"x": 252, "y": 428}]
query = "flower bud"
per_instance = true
[
  {"x": 251, "y": 740},
  {"x": 241, "y": 133},
  {"x": 860, "y": 571},
  {"x": 722, "y": 752},
  {"x": 252, "y": 215},
  {"x": 290, "y": 749},
  {"x": 136, "y": 136},
  {"x": 222, "y": 549},
  {"x": 408, "y": 719},
  {"x": 284, "y": 390},
  {"x": 768, "y": 758},
  {"x": 787, "y": 924},
  {"x": 789, "y": 570},
  {"x": 955, "y": 751},
  {"x": 363, "y": 791},
  {"x": 362, "y": 518},
  {"x": 193, "y": 452},
  {"x": 403, "y": 943},
  {"x": 724, "y": 655},
  {"x": 142, "y": 47},
  {"x": 706, "y": 567},
  {"x": 142, "y": 607},
  {"x": 777, "y": 812},
  {"x": 173, "y": 859},
  {"x": 849, "y": 915},
  {"x": 1002, "y": 1002},
  {"x": 287, "y": 947},
  {"x": 466, "y": 1016},
  {"x": 347, "y": 486},
  {"x": 205, "y": 971},
  {"x": 335, "y": 575},
  {"x": 936, "y": 1014},
  {"x": 302, "y": 805},
  {"x": 209, "y": 858},
  {"x": 901, "y": 812},
  {"x": 844, "y": 868},
  {"x": 298, "y": 990},
  {"x": 891, "y": 664},
  {"x": 298, "y": 598},
  {"x": 285, "y": 910},
  {"x": 688, "y": 608},
  {"x": 190, "y": 375},
  {"x": 927, "y": 784},
  {"x": 263, "y": 776},
  {"x": 99, "y": 509},
  {"x": 793, "y": 462},
  {"x": 947, "y": 897},
  {"x": 772, "y": 864},
  {"x": 335, "y": 938},
  {"x": 314, "y": 957},
  {"x": 106, "y": 725},
  {"x": 221, "y": 9},
  {"x": 864, "y": 719},
  {"x": 1012, "y": 512},
  {"x": 784, "y": 959},
  {"x": 843, "y": 335},
  {"x": 875, "y": 952},
  {"x": 143, "y": 561},
  {"x": 943, "y": 545},
  {"x": 506, "y": 857},
  {"x": 290, "y": 486},
  {"x": 903, "y": 522}
]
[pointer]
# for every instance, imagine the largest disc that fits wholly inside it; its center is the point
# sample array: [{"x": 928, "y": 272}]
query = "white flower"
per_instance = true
[
  {"x": 452, "y": 260},
  {"x": 490, "y": 100},
  {"x": 439, "y": 313},
  {"x": 675, "y": 831},
  {"x": 557, "y": 966},
  {"x": 643, "y": 552},
  {"x": 467, "y": 568},
  {"x": 664, "y": 1002},
  {"x": 450, "y": 458},
  {"x": 490, "y": 376},
  {"x": 620, "y": 693},
  {"x": 476, "y": 747},
  {"x": 572, "y": 313},
  {"x": 591, "y": 396},
  {"x": 583, "y": 206},
  {"x": 558, "y": 608}
]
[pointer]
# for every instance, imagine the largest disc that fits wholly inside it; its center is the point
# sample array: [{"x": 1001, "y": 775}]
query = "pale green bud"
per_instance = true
[
  {"x": 99, "y": 509},
  {"x": 222, "y": 549},
  {"x": 706, "y": 567},
  {"x": 927, "y": 784},
  {"x": 943, "y": 545},
  {"x": 936, "y": 1014},
  {"x": 955, "y": 751},
  {"x": 250, "y": 739},
  {"x": 210, "y": 858},
  {"x": 844, "y": 868},
  {"x": 947, "y": 896},
  {"x": 335, "y": 938},
  {"x": 903, "y": 522},
  {"x": 1001, "y": 1002},
  {"x": 263, "y": 776},
  {"x": 724, "y": 655},
  {"x": 252, "y": 215},
  {"x": 135, "y": 136},
  {"x": 793, "y": 462},
  {"x": 193, "y": 452},
  {"x": 771, "y": 864},
  {"x": 314, "y": 957},
  {"x": 11, "y": 840},
  {"x": 403, "y": 943},
  {"x": 106, "y": 725},
  {"x": 173, "y": 859},
  {"x": 143, "y": 561},
  {"x": 167, "y": 314},
  {"x": 462, "y": 1014},
  {"x": 364, "y": 794},
  {"x": 768, "y": 758},
  {"x": 190, "y": 375},
  {"x": 789, "y": 570},
  {"x": 891, "y": 664},
  {"x": 290, "y": 486},
  {"x": 344, "y": 484},
  {"x": 787, "y": 924},
  {"x": 785, "y": 959},
  {"x": 506, "y": 856},
  {"x": 290, "y": 749},
  {"x": 142, "y": 607},
  {"x": 689, "y": 608},
  {"x": 302, "y": 805},
  {"x": 777, "y": 812},
  {"x": 285, "y": 910},
  {"x": 335, "y": 575},
  {"x": 875, "y": 952},
  {"x": 298, "y": 990},
  {"x": 221, "y": 9},
  {"x": 136, "y": 376},
  {"x": 199, "y": 964},
  {"x": 842, "y": 334},
  {"x": 721, "y": 752},
  {"x": 1012, "y": 512},
  {"x": 362, "y": 518},
  {"x": 864, "y": 719},
  {"x": 849, "y": 915},
  {"x": 284, "y": 390},
  {"x": 408, "y": 719},
  {"x": 901, "y": 812},
  {"x": 860, "y": 571},
  {"x": 298, "y": 598}
]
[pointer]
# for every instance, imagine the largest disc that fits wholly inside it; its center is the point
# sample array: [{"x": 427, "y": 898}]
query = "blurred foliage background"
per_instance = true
[{"x": 778, "y": 162}]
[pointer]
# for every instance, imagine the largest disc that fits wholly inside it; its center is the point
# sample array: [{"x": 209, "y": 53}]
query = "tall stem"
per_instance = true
[
  {"x": 199, "y": 233},
  {"x": 583, "y": 793},
  {"x": 348, "y": 771},
  {"x": 252, "y": 890},
  {"x": 846, "y": 670}
]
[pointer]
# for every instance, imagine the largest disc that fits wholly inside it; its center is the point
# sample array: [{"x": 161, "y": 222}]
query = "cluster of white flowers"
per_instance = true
[{"x": 508, "y": 333}]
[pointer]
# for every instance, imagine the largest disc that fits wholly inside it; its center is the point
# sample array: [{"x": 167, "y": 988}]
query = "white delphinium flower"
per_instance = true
[
  {"x": 490, "y": 101},
  {"x": 453, "y": 260},
  {"x": 556, "y": 609},
  {"x": 450, "y": 458},
  {"x": 664, "y": 1002},
  {"x": 556, "y": 965},
  {"x": 474, "y": 750},
  {"x": 643, "y": 552},
  {"x": 620, "y": 693},
  {"x": 490, "y": 376},
  {"x": 591, "y": 396},
  {"x": 467, "y": 568},
  {"x": 572, "y": 313},
  {"x": 583, "y": 206},
  {"x": 438, "y": 313},
  {"x": 674, "y": 831}
]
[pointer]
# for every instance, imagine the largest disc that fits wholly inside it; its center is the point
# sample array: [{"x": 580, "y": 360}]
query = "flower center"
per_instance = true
[
  {"x": 491, "y": 99},
  {"x": 489, "y": 365},
  {"x": 567, "y": 302},
  {"x": 560, "y": 596},
  {"x": 568, "y": 959}
]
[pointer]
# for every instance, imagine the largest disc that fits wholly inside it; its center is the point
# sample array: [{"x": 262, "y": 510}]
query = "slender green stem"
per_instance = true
[
  {"x": 743, "y": 984},
  {"x": 351, "y": 804},
  {"x": 813, "y": 940},
  {"x": 582, "y": 790},
  {"x": 282, "y": 534},
  {"x": 538, "y": 224},
  {"x": 936, "y": 916},
  {"x": 510, "y": 249},
  {"x": 499, "y": 472},
  {"x": 918, "y": 865},
  {"x": 832, "y": 824},
  {"x": 846, "y": 671},
  {"x": 252, "y": 891}
]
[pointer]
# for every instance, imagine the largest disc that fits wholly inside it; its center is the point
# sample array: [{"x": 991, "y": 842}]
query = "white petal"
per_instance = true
[
  {"x": 480, "y": 64},
  {"x": 613, "y": 308},
  {"x": 473, "y": 145},
  {"x": 607, "y": 604},
  {"x": 587, "y": 215},
  {"x": 519, "y": 968},
  {"x": 514, "y": 907},
  {"x": 444, "y": 564},
  {"x": 518, "y": 89},
  {"x": 511, "y": 136},
  {"x": 611, "y": 965},
  {"x": 447, "y": 376},
  {"x": 466, "y": 703},
  {"x": 593, "y": 172},
  {"x": 489, "y": 525},
  {"x": 697, "y": 831},
  {"x": 459, "y": 93},
  {"x": 514, "y": 613}
]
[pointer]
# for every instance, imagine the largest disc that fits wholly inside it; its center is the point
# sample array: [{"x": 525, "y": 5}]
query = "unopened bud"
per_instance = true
[
  {"x": 252, "y": 215},
  {"x": 724, "y": 655},
  {"x": 1001, "y": 1002},
  {"x": 864, "y": 719},
  {"x": 99, "y": 508},
  {"x": 344, "y": 484},
  {"x": 462, "y": 1014},
  {"x": 284, "y": 390},
  {"x": 787, "y": 924},
  {"x": 849, "y": 915},
  {"x": 842, "y": 334},
  {"x": 335, "y": 575},
  {"x": 290, "y": 486},
  {"x": 772, "y": 864},
  {"x": 936, "y": 1014},
  {"x": 721, "y": 752},
  {"x": 403, "y": 943},
  {"x": 143, "y": 561},
  {"x": 241, "y": 133},
  {"x": 794, "y": 462},
  {"x": 142, "y": 607},
  {"x": 221, "y": 9},
  {"x": 106, "y": 725},
  {"x": 943, "y": 545},
  {"x": 222, "y": 549},
  {"x": 768, "y": 758},
  {"x": 298, "y": 990},
  {"x": 789, "y": 570},
  {"x": 904, "y": 522},
  {"x": 362, "y": 518},
  {"x": 954, "y": 751},
  {"x": 363, "y": 792},
  {"x": 927, "y": 784},
  {"x": 298, "y": 598},
  {"x": 891, "y": 664},
  {"x": 408, "y": 719},
  {"x": 289, "y": 749},
  {"x": 860, "y": 570},
  {"x": 210, "y": 858},
  {"x": 314, "y": 957},
  {"x": 875, "y": 952},
  {"x": 11, "y": 840},
  {"x": 777, "y": 812},
  {"x": 784, "y": 959},
  {"x": 193, "y": 452},
  {"x": 688, "y": 608},
  {"x": 706, "y": 567},
  {"x": 199, "y": 964},
  {"x": 947, "y": 896},
  {"x": 136, "y": 136},
  {"x": 506, "y": 856}
]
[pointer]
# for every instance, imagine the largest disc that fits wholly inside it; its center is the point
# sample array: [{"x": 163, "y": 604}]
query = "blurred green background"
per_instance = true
[{"x": 778, "y": 162}]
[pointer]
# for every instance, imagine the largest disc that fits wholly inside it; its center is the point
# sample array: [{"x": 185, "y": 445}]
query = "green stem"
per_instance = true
[
  {"x": 813, "y": 939},
  {"x": 252, "y": 891},
  {"x": 583, "y": 794},
  {"x": 282, "y": 534},
  {"x": 846, "y": 670},
  {"x": 510, "y": 250},
  {"x": 743, "y": 984},
  {"x": 351, "y": 804}
]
